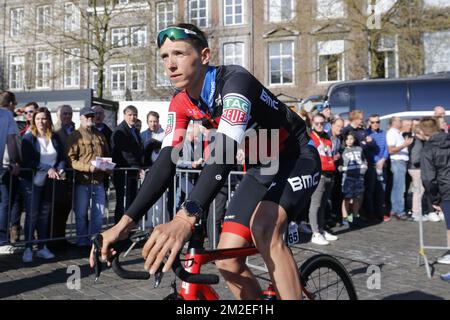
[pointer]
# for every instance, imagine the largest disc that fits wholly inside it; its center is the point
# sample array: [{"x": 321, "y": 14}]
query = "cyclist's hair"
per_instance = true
[
  {"x": 355, "y": 114},
  {"x": 197, "y": 44},
  {"x": 153, "y": 114},
  {"x": 130, "y": 108}
]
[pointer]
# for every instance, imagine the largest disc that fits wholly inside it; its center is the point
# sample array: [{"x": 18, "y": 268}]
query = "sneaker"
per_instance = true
[
  {"x": 27, "y": 255},
  {"x": 329, "y": 237},
  {"x": 7, "y": 249},
  {"x": 445, "y": 276},
  {"x": 305, "y": 228},
  {"x": 44, "y": 253},
  {"x": 444, "y": 259},
  {"x": 386, "y": 218},
  {"x": 401, "y": 216},
  {"x": 441, "y": 216},
  {"x": 418, "y": 216},
  {"x": 345, "y": 223},
  {"x": 319, "y": 239},
  {"x": 350, "y": 218},
  {"x": 433, "y": 217}
]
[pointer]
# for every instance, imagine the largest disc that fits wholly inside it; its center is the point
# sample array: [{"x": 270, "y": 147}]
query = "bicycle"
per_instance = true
[{"x": 197, "y": 286}]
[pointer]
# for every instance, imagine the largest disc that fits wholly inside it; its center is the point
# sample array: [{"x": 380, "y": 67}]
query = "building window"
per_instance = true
[
  {"x": 436, "y": 51},
  {"x": 43, "y": 69},
  {"x": 330, "y": 9},
  {"x": 72, "y": 68},
  {"x": 162, "y": 80},
  {"x": 16, "y": 22},
  {"x": 124, "y": 2},
  {"x": 198, "y": 12},
  {"x": 386, "y": 62},
  {"x": 436, "y": 3},
  {"x": 380, "y": 6},
  {"x": 233, "y": 53},
  {"x": 138, "y": 77},
  {"x": 281, "y": 62},
  {"x": 331, "y": 60},
  {"x": 119, "y": 37},
  {"x": 16, "y": 71},
  {"x": 43, "y": 18},
  {"x": 138, "y": 36},
  {"x": 71, "y": 17},
  {"x": 233, "y": 12},
  {"x": 165, "y": 14},
  {"x": 94, "y": 79},
  {"x": 118, "y": 79},
  {"x": 280, "y": 10}
]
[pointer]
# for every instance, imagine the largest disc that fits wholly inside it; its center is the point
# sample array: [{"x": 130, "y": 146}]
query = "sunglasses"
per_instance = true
[
  {"x": 373, "y": 122},
  {"x": 319, "y": 123},
  {"x": 29, "y": 111},
  {"x": 177, "y": 33}
]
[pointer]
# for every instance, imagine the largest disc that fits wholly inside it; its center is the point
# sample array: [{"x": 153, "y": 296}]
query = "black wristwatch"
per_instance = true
[{"x": 192, "y": 208}]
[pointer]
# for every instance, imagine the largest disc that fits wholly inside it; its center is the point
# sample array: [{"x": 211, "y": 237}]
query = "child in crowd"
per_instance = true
[{"x": 354, "y": 167}]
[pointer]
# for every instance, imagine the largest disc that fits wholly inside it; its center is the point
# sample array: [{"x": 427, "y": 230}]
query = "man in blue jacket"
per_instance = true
[{"x": 374, "y": 199}]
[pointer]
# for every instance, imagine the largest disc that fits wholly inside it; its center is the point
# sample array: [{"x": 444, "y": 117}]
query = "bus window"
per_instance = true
[
  {"x": 340, "y": 98},
  {"x": 426, "y": 95},
  {"x": 383, "y": 98}
]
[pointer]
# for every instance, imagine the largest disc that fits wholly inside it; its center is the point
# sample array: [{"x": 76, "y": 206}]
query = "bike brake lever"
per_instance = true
[{"x": 158, "y": 277}]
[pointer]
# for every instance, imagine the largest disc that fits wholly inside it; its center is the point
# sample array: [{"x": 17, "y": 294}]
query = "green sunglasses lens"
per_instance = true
[{"x": 174, "y": 33}]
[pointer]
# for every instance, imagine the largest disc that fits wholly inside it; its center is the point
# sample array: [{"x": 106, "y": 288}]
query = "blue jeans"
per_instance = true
[
  {"x": 86, "y": 195},
  {"x": 398, "y": 168},
  {"x": 37, "y": 208}
]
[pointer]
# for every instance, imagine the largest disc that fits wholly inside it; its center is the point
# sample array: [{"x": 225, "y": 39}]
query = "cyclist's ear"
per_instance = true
[{"x": 205, "y": 55}]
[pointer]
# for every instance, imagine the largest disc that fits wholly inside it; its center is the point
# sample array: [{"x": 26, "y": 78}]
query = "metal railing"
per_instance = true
[{"x": 159, "y": 213}]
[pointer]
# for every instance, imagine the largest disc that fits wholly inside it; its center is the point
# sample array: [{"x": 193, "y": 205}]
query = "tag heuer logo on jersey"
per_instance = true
[
  {"x": 235, "y": 109},
  {"x": 170, "y": 123}
]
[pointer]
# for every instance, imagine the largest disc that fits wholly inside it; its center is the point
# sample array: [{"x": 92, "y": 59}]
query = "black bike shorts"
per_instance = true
[{"x": 291, "y": 187}]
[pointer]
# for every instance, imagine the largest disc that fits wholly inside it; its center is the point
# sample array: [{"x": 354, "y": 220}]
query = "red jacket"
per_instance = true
[{"x": 324, "y": 146}]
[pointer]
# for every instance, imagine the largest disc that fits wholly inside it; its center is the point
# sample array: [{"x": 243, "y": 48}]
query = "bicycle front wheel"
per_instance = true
[{"x": 325, "y": 278}]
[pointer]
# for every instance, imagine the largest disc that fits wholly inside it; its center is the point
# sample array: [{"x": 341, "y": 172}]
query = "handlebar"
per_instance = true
[{"x": 137, "y": 237}]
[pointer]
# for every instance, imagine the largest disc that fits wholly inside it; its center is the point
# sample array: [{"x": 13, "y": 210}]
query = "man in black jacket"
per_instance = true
[
  {"x": 127, "y": 152},
  {"x": 435, "y": 166}
]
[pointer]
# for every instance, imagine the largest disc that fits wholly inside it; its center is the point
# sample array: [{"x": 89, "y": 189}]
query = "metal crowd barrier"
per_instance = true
[{"x": 159, "y": 213}]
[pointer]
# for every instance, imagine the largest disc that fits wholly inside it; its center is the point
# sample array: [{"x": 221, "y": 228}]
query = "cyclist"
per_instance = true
[{"x": 232, "y": 100}]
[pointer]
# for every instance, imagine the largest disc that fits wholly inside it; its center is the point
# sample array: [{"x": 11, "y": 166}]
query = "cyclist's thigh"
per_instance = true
[
  {"x": 295, "y": 182},
  {"x": 240, "y": 209}
]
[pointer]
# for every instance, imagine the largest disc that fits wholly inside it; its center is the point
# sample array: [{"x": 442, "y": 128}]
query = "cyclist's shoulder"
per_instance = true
[{"x": 234, "y": 74}]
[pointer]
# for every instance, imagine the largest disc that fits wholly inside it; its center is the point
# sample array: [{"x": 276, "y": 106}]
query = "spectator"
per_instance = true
[
  {"x": 439, "y": 111},
  {"x": 127, "y": 152},
  {"x": 375, "y": 186},
  {"x": 337, "y": 126},
  {"x": 152, "y": 138},
  {"x": 398, "y": 151},
  {"x": 416, "y": 149},
  {"x": 443, "y": 126},
  {"x": 8, "y": 133},
  {"x": 100, "y": 126},
  {"x": 63, "y": 203},
  {"x": 320, "y": 196},
  {"x": 325, "y": 110},
  {"x": 29, "y": 109},
  {"x": 42, "y": 151},
  {"x": 435, "y": 166},
  {"x": 84, "y": 145},
  {"x": 406, "y": 129},
  {"x": 356, "y": 127},
  {"x": 354, "y": 167}
]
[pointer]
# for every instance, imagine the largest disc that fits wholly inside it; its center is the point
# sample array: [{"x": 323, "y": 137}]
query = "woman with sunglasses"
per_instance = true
[{"x": 231, "y": 100}]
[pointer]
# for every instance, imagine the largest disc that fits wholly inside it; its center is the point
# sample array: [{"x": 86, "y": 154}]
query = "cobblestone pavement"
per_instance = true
[{"x": 391, "y": 246}]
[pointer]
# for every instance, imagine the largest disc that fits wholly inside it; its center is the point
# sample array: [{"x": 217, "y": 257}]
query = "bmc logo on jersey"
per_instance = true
[
  {"x": 268, "y": 100},
  {"x": 235, "y": 109},
  {"x": 170, "y": 123},
  {"x": 304, "y": 182}
]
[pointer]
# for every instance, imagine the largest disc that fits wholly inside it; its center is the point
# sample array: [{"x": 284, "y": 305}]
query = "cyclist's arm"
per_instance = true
[{"x": 155, "y": 183}]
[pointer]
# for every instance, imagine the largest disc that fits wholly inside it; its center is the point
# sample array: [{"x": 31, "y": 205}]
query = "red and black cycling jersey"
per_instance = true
[{"x": 232, "y": 101}]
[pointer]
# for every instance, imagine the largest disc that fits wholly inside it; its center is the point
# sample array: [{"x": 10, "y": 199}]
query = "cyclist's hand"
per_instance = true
[
  {"x": 119, "y": 232},
  {"x": 165, "y": 239}
]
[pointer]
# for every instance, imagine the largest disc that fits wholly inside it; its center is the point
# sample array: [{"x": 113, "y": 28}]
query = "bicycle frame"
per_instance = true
[{"x": 196, "y": 258}]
